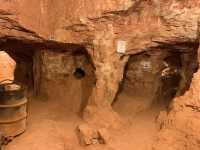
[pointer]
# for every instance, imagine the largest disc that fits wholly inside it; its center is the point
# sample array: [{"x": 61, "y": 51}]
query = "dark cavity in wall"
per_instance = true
[
  {"x": 79, "y": 73},
  {"x": 156, "y": 77}
]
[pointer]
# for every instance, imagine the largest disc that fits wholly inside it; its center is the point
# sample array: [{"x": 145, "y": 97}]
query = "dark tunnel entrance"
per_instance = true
[
  {"x": 57, "y": 83},
  {"x": 154, "y": 78},
  {"x": 48, "y": 70}
]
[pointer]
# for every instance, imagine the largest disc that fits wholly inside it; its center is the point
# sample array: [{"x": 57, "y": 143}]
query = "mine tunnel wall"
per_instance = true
[
  {"x": 49, "y": 74},
  {"x": 53, "y": 74},
  {"x": 55, "y": 77},
  {"x": 159, "y": 75}
]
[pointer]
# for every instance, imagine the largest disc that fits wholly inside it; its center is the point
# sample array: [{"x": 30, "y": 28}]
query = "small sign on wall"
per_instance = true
[
  {"x": 121, "y": 46},
  {"x": 146, "y": 65}
]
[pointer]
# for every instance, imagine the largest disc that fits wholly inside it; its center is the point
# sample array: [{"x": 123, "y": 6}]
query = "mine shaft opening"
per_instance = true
[
  {"x": 153, "y": 78},
  {"x": 57, "y": 84},
  {"x": 79, "y": 73}
]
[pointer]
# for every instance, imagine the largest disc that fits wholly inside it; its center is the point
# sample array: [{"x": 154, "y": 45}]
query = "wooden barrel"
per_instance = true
[{"x": 13, "y": 110}]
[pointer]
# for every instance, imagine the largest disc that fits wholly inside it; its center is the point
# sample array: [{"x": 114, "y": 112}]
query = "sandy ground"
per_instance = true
[
  {"x": 141, "y": 130},
  {"x": 51, "y": 126}
]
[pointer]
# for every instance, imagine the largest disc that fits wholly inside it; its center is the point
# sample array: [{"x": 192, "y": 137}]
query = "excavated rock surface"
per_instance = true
[
  {"x": 7, "y": 67},
  {"x": 141, "y": 23},
  {"x": 180, "y": 126},
  {"x": 100, "y": 27},
  {"x": 55, "y": 79}
]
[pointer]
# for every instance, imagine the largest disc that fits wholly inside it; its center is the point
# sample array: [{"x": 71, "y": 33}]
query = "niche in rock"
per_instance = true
[
  {"x": 154, "y": 78},
  {"x": 64, "y": 76}
]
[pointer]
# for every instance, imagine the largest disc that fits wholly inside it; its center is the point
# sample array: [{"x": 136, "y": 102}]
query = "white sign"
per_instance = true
[
  {"x": 121, "y": 46},
  {"x": 146, "y": 65}
]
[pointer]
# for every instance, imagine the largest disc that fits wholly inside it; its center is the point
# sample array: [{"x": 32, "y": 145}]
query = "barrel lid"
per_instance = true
[{"x": 10, "y": 87}]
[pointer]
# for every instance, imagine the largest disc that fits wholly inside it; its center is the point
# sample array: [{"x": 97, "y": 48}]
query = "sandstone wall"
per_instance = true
[
  {"x": 7, "y": 67},
  {"x": 54, "y": 78},
  {"x": 100, "y": 26}
]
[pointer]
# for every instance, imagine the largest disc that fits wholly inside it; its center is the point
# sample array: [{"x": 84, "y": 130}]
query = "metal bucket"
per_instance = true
[{"x": 13, "y": 110}]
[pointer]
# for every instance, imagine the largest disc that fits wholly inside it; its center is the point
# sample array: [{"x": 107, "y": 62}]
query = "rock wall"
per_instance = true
[
  {"x": 7, "y": 67},
  {"x": 160, "y": 75},
  {"x": 55, "y": 80},
  {"x": 143, "y": 71},
  {"x": 77, "y": 22},
  {"x": 179, "y": 124}
]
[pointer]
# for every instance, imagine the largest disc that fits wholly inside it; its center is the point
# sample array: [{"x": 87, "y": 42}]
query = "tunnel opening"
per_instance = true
[
  {"x": 151, "y": 82},
  {"x": 62, "y": 73},
  {"x": 153, "y": 78},
  {"x": 57, "y": 84}
]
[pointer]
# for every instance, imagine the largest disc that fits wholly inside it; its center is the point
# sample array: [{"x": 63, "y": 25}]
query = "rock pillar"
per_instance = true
[{"x": 109, "y": 65}]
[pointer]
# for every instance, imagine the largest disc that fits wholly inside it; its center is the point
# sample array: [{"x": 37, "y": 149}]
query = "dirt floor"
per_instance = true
[{"x": 52, "y": 124}]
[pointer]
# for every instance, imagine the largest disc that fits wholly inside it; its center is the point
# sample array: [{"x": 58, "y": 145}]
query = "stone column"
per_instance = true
[
  {"x": 109, "y": 66},
  {"x": 108, "y": 74}
]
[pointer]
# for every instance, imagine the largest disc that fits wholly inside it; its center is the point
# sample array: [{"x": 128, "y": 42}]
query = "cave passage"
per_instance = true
[
  {"x": 39, "y": 67},
  {"x": 57, "y": 84},
  {"x": 153, "y": 79}
]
